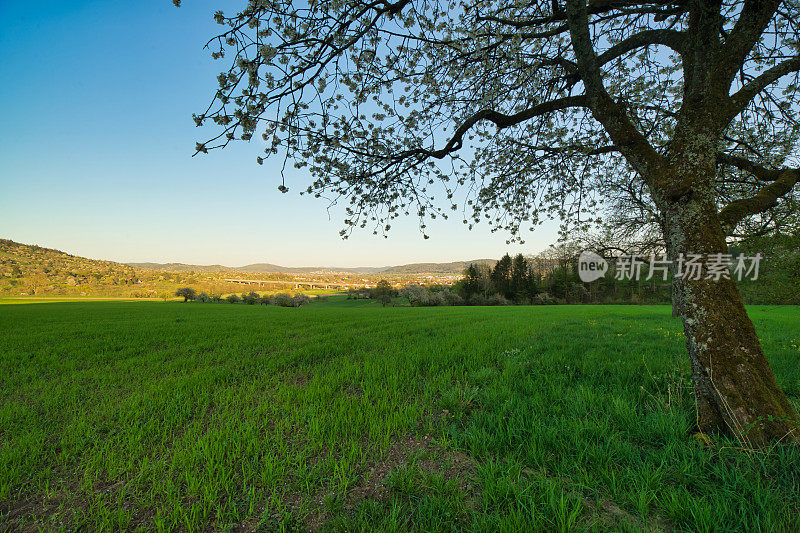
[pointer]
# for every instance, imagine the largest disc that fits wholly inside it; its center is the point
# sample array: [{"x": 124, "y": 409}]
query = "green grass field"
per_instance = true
[{"x": 348, "y": 416}]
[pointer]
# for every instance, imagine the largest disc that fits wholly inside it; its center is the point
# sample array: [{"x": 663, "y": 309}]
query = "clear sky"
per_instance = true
[{"x": 96, "y": 139}]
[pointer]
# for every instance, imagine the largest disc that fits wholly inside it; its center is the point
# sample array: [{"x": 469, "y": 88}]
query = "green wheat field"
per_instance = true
[{"x": 348, "y": 416}]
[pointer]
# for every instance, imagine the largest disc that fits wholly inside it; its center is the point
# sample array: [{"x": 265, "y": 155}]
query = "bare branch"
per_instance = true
[
  {"x": 765, "y": 199},
  {"x": 760, "y": 172},
  {"x": 743, "y": 96},
  {"x": 498, "y": 119},
  {"x": 633, "y": 145},
  {"x": 670, "y": 38}
]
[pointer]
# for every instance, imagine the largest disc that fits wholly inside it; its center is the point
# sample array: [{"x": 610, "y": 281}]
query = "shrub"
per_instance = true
[
  {"x": 203, "y": 297},
  {"x": 437, "y": 299},
  {"x": 543, "y": 298},
  {"x": 233, "y": 299},
  {"x": 453, "y": 298},
  {"x": 283, "y": 300},
  {"x": 265, "y": 300},
  {"x": 251, "y": 298},
  {"x": 417, "y": 295},
  {"x": 476, "y": 299},
  {"x": 576, "y": 292},
  {"x": 300, "y": 299},
  {"x": 497, "y": 299}
]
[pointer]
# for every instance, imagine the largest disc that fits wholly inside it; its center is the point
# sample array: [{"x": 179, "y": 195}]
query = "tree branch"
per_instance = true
[
  {"x": 595, "y": 7},
  {"x": 500, "y": 120},
  {"x": 760, "y": 172},
  {"x": 764, "y": 199},
  {"x": 743, "y": 96},
  {"x": 633, "y": 145},
  {"x": 752, "y": 22},
  {"x": 670, "y": 38}
]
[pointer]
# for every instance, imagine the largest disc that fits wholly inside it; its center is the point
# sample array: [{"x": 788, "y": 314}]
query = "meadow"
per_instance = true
[{"x": 345, "y": 415}]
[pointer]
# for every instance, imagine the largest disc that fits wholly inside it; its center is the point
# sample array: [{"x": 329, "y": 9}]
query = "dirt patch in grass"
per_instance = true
[
  {"x": 35, "y": 512},
  {"x": 300, "y": 379},
  {"x": 427, "y": 457},
  {"x": 25, "y": 514},
  {"x": 353, "y": 391},
  {"x": 611, "y": 515}
]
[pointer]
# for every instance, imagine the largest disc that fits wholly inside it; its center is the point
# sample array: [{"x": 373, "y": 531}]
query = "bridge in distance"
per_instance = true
[{"x": 299, "y": 284}]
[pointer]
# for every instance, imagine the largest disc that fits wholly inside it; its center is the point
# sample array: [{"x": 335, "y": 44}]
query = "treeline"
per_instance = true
[
  {"x": 551, "y": 277},
  {"x": 248, "y": 298},
  {"x": 548, "y": 278},
  {"x": 545, "y": 279}
]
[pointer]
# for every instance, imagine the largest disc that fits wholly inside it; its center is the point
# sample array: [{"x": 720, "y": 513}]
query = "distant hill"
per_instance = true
[
  {"x": 31, "y": 269},
  {"x": 180, "y": 267},
  {"x": 270, "y": 268},
  {"x": 454, "y": 268},
  {"x": 28, "y": 259},
  {"x": 444, "y": 269}
]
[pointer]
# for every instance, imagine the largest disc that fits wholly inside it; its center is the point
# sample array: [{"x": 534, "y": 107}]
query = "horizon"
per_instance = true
[
  {"x": 103, "y": 167},
  {"x": 257, "y": 262}
]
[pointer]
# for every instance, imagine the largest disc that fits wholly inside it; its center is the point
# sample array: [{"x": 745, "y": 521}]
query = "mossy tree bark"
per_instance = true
[{"x": 736, "y": 391}]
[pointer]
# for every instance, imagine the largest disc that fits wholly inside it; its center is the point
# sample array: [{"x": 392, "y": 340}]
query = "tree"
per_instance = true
[
  {"x": 477, "y": 281},
  {"x": 519, "y": 277},
  {"x": 779, "y": 280},
  {"x": 417, "y": 295},
  {"x": 541, "y": 109},
  {"x": 383, "y": 292},
  {"x": 501, "y": 276},
  {"x": 300, "y": 299},
  {"x": 187, "y": 293}
]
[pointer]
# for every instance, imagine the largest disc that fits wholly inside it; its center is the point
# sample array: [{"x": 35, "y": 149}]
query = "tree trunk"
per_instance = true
[
  {"x": 735, "y": 389},
  {"x": 675, "y": 300}
]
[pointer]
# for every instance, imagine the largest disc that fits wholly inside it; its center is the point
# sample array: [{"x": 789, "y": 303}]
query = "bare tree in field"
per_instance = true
[{"x": 524, "y": 110}]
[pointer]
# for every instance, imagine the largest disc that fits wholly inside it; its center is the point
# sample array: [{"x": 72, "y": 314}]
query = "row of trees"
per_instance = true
[
  {"x": 551, "y": 277},
  {"x": 249, "y": 298}
]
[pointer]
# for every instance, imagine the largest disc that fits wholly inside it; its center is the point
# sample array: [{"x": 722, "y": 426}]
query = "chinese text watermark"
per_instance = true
[{"x": 717, "y": 266}]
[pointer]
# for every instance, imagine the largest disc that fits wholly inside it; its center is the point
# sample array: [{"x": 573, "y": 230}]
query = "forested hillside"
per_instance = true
[{"x": 30, "y": 269}]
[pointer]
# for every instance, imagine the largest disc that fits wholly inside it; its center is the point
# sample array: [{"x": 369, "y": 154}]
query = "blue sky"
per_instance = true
[{"x": 97, "y": 137}]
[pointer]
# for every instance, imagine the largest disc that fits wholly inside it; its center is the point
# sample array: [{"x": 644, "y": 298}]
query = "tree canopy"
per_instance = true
[{"x": 534, "y": 108}]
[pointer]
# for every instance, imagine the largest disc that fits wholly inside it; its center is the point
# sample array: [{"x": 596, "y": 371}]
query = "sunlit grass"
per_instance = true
[{"x": 345, "y": 415}]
